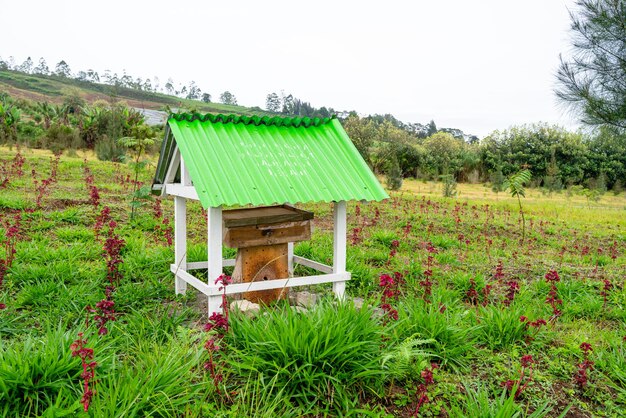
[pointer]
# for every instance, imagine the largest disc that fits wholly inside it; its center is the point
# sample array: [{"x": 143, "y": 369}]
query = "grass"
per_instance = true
[{"x": 334, "y": 360}]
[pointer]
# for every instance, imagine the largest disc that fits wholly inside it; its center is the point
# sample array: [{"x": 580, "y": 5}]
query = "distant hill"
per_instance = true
[{"x": 53, "y": 88}]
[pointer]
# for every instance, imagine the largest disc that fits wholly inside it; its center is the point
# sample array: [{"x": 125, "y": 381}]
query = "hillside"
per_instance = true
[{"x": 52, "y": 88}]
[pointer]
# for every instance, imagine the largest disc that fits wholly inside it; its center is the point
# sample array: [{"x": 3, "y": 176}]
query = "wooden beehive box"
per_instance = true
[{"x": 261, "y": 236}]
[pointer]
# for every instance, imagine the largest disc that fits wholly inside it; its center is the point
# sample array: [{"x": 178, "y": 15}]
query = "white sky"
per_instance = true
[{"x": 476, "y": 65}]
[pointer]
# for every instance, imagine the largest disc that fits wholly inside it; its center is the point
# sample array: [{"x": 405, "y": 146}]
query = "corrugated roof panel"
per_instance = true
[{"x": 237, "y": 160}]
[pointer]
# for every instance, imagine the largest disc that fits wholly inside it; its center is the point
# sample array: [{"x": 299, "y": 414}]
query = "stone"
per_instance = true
[
  {"x": 299, "y": 309},
  {"x": 245, "y": 306},
  {"x": 306, "y": 299},
  {"x": 358, "y": 302}
]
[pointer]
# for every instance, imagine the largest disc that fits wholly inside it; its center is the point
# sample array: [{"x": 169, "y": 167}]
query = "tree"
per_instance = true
[
  {"x": 394, "y": 175},
  {"x": 533, "y": 146},
  {"x": 62, "y": 69},
  {"x": 287, "y": 107},
  {"x": 272, "y": 103},
  {"x": 169, "y": 86},
  {"x": 431, "y": 128},
  {"x": 157, "y": 85},
  {"x": 592, "y": 81},
  {"x": 93, "y": 76},
  {"x": 444, "y": 154},
  {"x": 515, "y": 184},
  {"x": 42, "y": 67},
  {"x": 228, "y": 98},
  {"x": 27, "y": 66},
  {"x": 497, "y": 181},
  {"x": 194, "y": 91},
  {"x": 206, "y": 97}
]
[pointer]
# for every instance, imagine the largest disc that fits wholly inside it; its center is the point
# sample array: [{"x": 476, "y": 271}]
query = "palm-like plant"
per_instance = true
[
  {"x": 515, "y": 185},
  {"x": 47, "y": 113}
]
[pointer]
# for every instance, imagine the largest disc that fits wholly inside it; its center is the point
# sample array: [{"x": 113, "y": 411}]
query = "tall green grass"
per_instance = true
[{"x": 328, "y": 355}]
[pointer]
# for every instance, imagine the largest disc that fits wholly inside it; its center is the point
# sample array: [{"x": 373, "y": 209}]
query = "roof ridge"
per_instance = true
[{"x": 254, "y": 119}]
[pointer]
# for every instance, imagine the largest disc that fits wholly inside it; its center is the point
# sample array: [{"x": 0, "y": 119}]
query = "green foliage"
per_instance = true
[
  {"x": 497, "y": 181},
  {"x": 533, "y": 146},
  {"x": 515, "y": 184},
  {"x": 592, "y": 80},
  {"x": 394, "y": 175},
  {"x": 33, "y": 372},
  {"x": 552, "y": 180},
  {"x": 477, "y": 403},
  {"x": 449, "y": 185},
  {"x": 453, "y": 336},
  {"x": 324, "y": 356},
  {"x": 408, "y": 358},
  {"x": 444, "y": 154},
  {"x": 61, "y": 137},
  {"x": 501, "y": 328},
  {"x": 228, "y": 98},
  {"x": 142, "y": 138},
  {"x": 108, "y": 149},
  {"x": 363, "y": 133},
  {"x": 129, "y": 391},
  {"x": 612, "y": 362}
]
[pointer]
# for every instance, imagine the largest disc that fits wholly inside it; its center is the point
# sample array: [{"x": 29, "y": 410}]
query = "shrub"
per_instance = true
[
  {"x": 61, "y": 137},
  {"x": 394, "y": 174},
  {"x": 34, "y": 372},
  {"x": 324, "y": 356},
  {"x": 452, "y": 336},
  {"x": 501, "y": 328},
  {"x": 108, "y": 149}
]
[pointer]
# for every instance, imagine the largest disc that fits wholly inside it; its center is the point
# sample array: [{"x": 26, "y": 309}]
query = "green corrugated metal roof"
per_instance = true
[{"x": 239, "y": 160}]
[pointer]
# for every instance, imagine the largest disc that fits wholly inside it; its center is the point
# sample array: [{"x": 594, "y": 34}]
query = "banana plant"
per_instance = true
[{"x": 515, "y": 185}]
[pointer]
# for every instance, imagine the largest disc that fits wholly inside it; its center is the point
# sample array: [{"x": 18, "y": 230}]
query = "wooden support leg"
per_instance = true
[
  {"x": 180, "y": 241},
  {"x": 339, "y": 246},
  {"x": 290, "y": 258},
  {"x": 214, "y": 253}
]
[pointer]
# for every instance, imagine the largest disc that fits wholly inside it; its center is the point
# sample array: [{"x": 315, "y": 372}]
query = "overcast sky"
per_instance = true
[{"x": 476, "y": 65}]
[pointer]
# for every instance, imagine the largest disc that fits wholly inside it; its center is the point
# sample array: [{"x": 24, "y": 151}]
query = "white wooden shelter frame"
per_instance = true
[{"x": 335, "y": 274}]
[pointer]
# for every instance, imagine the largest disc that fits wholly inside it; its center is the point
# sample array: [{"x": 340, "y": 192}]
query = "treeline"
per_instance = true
[
  {"x": 72, "y": 125},
  {"x": 189, "y": 90},
  {"x": 556, "y": 157}
]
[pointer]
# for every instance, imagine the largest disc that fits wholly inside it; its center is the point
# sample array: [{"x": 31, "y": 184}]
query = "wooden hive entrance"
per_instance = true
[{"x": 261, "y": 236}]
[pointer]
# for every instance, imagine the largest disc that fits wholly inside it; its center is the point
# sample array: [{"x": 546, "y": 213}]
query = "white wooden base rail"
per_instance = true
[
  {"x": 197, "y": 265},
  {"x": 213, "y": 290}
]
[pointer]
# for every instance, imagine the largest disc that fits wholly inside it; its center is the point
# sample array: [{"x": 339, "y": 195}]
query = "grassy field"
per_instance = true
[{"x": 461, "y": 318}]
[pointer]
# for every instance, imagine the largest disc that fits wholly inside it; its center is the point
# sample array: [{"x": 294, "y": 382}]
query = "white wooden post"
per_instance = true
[
  {"x": 214, "y": 253},
  {"x": 339, "y": 246},
  {"x": 180, "y": 241},
  {"x": 290, "y": 258},
  {"x": 180, "y": 228}
]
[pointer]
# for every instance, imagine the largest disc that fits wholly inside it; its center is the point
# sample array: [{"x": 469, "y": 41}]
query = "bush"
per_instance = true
[
  {"x": 394, "y": 175},
  {"x": 108, "y": 149},
  {"x": 501, "y": 328},
  {"x": 36, "y": 371},
  {"x": 452, "y": 338},
  {"x": 449, "y": 185},
  {"x": 61, "y": 137},
  {"x": 325, "y": 356}
]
